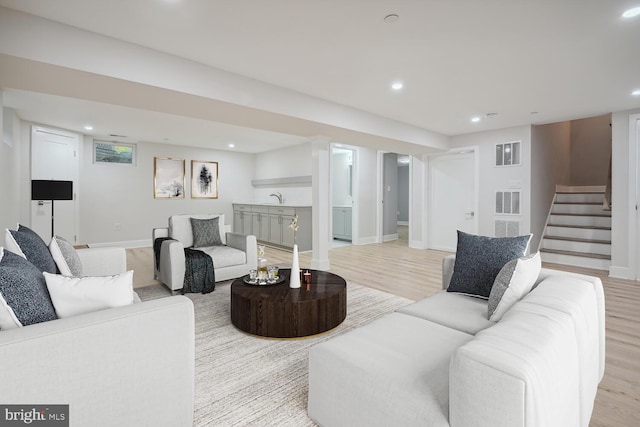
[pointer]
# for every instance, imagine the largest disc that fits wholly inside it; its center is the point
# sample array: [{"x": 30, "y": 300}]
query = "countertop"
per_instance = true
[{"x": 275, "y": 205}]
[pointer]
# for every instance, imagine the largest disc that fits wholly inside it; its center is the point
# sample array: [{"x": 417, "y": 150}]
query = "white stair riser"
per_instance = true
[
  {"x": 580, "y": 209},
  {"x": 567, "y": 245},
  {"x": 600, "y": 264},
  {"x": 579, "y": 233},
  {"x": 580, "y": 198},
  {"x": 592, "y": 221}
]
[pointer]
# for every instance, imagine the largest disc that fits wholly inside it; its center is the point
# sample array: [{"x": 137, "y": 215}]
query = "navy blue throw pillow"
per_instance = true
[
  {"x": 34, "y": 249},
  {"x": 479, "y": 259},
  {"x": 23, "y": 289}
]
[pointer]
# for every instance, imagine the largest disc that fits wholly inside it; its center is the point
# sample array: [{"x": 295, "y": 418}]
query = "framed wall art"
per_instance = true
[
  {"x": 113, "y": 152},
  {"x": 204, "y": 179},
  {"x": 168, "y": 178}
]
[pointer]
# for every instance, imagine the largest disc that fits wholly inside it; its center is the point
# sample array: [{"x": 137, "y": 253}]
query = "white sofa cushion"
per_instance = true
[
  {"x": 461, "y": 312},
  {"x": 392, "y": 371},
  {"x": 515, "y": 280},
  {"x": 522, "y": 371},
  {"x": 180, "y": 227},
  {"x": 77, "y": 295},
  {"x": 225, "y": 256}
]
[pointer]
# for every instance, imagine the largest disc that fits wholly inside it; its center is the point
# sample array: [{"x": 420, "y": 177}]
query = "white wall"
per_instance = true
[
  {"x": 284, "y": 163},
  {"x": 340, "y": 176},
  {"x": 590, "y": 150},
  {"x": 494, "y": 178},
  {"x": 111, "y": 194},
  {"x": 367, "y": 159},
  {"x": 550, "y": 165},
  {"x": 10, "y": 147}
]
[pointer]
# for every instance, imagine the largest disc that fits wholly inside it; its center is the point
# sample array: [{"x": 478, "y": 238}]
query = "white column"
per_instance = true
[{"x": 321, "y": 208}]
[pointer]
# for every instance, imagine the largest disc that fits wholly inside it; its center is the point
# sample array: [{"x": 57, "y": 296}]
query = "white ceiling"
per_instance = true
[{"x": 457, "y": 59}]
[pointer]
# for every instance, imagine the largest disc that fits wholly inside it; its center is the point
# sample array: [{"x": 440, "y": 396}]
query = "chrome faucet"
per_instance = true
[{"x": 278, "y": 196}]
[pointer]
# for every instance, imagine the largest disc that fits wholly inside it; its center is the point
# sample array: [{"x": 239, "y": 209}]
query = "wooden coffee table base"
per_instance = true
[{"x": 278, "y": 311}]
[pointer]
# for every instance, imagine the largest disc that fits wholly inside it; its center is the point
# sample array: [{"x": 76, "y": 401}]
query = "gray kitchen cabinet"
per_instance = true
[
  {"x": 271, "y": 224},
  {"x": 342, "y": 223}
]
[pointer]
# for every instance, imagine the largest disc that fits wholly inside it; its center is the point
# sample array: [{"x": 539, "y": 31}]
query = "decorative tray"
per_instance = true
[{"x": 267, "y": 282}]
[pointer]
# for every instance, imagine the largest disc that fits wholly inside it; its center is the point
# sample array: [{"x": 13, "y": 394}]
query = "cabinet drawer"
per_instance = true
[
  {"x": 260, "y": 209},
  {"x": 282, "y": 211},
  {"x": 242, "y": 208}
]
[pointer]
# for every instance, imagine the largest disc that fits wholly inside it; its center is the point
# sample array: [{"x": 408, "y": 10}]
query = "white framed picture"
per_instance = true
[{"x": 168, "y": 178}]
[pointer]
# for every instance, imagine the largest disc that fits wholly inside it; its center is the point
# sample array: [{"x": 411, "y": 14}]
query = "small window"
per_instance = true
[
  {"x": 508, "y": 154},
  {"x": 508, "y": 202}
]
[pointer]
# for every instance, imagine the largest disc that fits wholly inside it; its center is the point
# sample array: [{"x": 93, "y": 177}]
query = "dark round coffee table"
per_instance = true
[{"x": 277, "y": 311}]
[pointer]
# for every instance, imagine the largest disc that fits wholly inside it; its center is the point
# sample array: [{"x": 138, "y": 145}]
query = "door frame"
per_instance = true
[
  {"x": 380, "y": 195},
  {"x": 474, "y": 150},
  {"x": 355, "y": 212},
  {"x": 633, "y": 271}
]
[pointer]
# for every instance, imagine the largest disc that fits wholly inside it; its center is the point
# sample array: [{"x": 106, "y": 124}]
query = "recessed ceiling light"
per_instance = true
[
  {"x": 631, "y": 12},
  {"x": 231, "y": 145},
  {"x": 397, "y": 86},
  {"x": 636, "y": 92},
  {"x": 475, "y": 119},
  {"x": 390, "y": 19},
  {"x": 88, "y": 127}
]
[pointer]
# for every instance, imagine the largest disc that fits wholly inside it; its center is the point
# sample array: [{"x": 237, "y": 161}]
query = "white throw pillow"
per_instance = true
[
  {"x": 514, "y": 281},
  {"x": 77, "y": 295}
]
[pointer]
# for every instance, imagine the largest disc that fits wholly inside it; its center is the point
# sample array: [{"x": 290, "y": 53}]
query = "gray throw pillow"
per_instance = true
[
  {"x": 66, "y": 257},
  {"x": 515, "y": 280},
  {"x": 26, "y": 243},
  {"x": 479, "y": 259},
  {"x": 206, "y": 232},
  {"x": 24, "y": 298}
]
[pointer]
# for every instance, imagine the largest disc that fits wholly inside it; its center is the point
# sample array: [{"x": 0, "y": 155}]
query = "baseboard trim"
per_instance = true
[
  {"x": 365, "y": 241},
  {"x": 619, "y": 272},
  {"x": 416, "y": 244},
  {"x": 405, "y": 223},
  {"x": 389, "y": 237},
  {"x": 128, "y": 244}
]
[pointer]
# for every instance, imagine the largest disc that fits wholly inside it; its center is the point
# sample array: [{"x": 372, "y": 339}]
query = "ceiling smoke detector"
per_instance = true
[
  {"x": 492, "y": 115},
  {"x": 390, "y": 19}
]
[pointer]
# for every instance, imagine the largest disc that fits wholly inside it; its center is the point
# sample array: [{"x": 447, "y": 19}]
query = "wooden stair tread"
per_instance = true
[
  {"x": 575, "y": 214},
  {"x": 577, "y": 239},
  {"x": 579, "y": 192},
  {"x": 578, "y": 203},
  {"x": 577, "y": 254},
  {"x": 588, "y": 227}
]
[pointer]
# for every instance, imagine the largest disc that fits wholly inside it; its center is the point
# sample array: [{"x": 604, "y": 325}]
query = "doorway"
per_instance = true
[
  {"x": 393, "y": 198},
  {"x": 54, "y": 157},
  {"x": 452, "y": 198}
]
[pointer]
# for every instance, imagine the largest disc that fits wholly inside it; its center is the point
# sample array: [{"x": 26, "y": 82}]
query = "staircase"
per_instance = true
[{"x": 578, "y": 230}]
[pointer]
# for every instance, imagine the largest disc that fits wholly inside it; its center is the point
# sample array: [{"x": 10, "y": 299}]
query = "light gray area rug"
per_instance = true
[{"x": 243, "y": 380}]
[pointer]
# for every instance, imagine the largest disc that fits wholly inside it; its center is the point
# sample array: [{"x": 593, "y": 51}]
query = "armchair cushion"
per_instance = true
[
  {"x": 26, "y": 243},
  {"x": 24, "y": 299},
  {"x": 479, "y": 259},
  {"x": 65, "y": 257},
  {"x": 206, "y": 232},
  {"x": 77, "y": 295}
]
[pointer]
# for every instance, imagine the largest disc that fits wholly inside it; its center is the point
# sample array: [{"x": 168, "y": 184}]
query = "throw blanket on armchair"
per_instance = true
[{"x": 199, "y": 275}]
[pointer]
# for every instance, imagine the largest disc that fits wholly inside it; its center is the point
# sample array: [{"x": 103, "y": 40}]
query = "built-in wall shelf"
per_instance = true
[{"x": 301, "y": 181}]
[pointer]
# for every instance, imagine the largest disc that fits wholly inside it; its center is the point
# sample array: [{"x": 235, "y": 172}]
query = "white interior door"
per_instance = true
[
  {"x": 453, "y": 199},
  {"x": 54, "y": 157}
]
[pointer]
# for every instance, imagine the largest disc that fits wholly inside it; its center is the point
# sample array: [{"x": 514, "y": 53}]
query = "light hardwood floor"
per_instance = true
[{"x": 415, "y": 274}]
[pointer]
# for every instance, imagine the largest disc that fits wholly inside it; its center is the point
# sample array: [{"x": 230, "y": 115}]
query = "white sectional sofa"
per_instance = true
[
  {"x": 233, "y": 259},
  {"x": 440, "y": 362}
]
